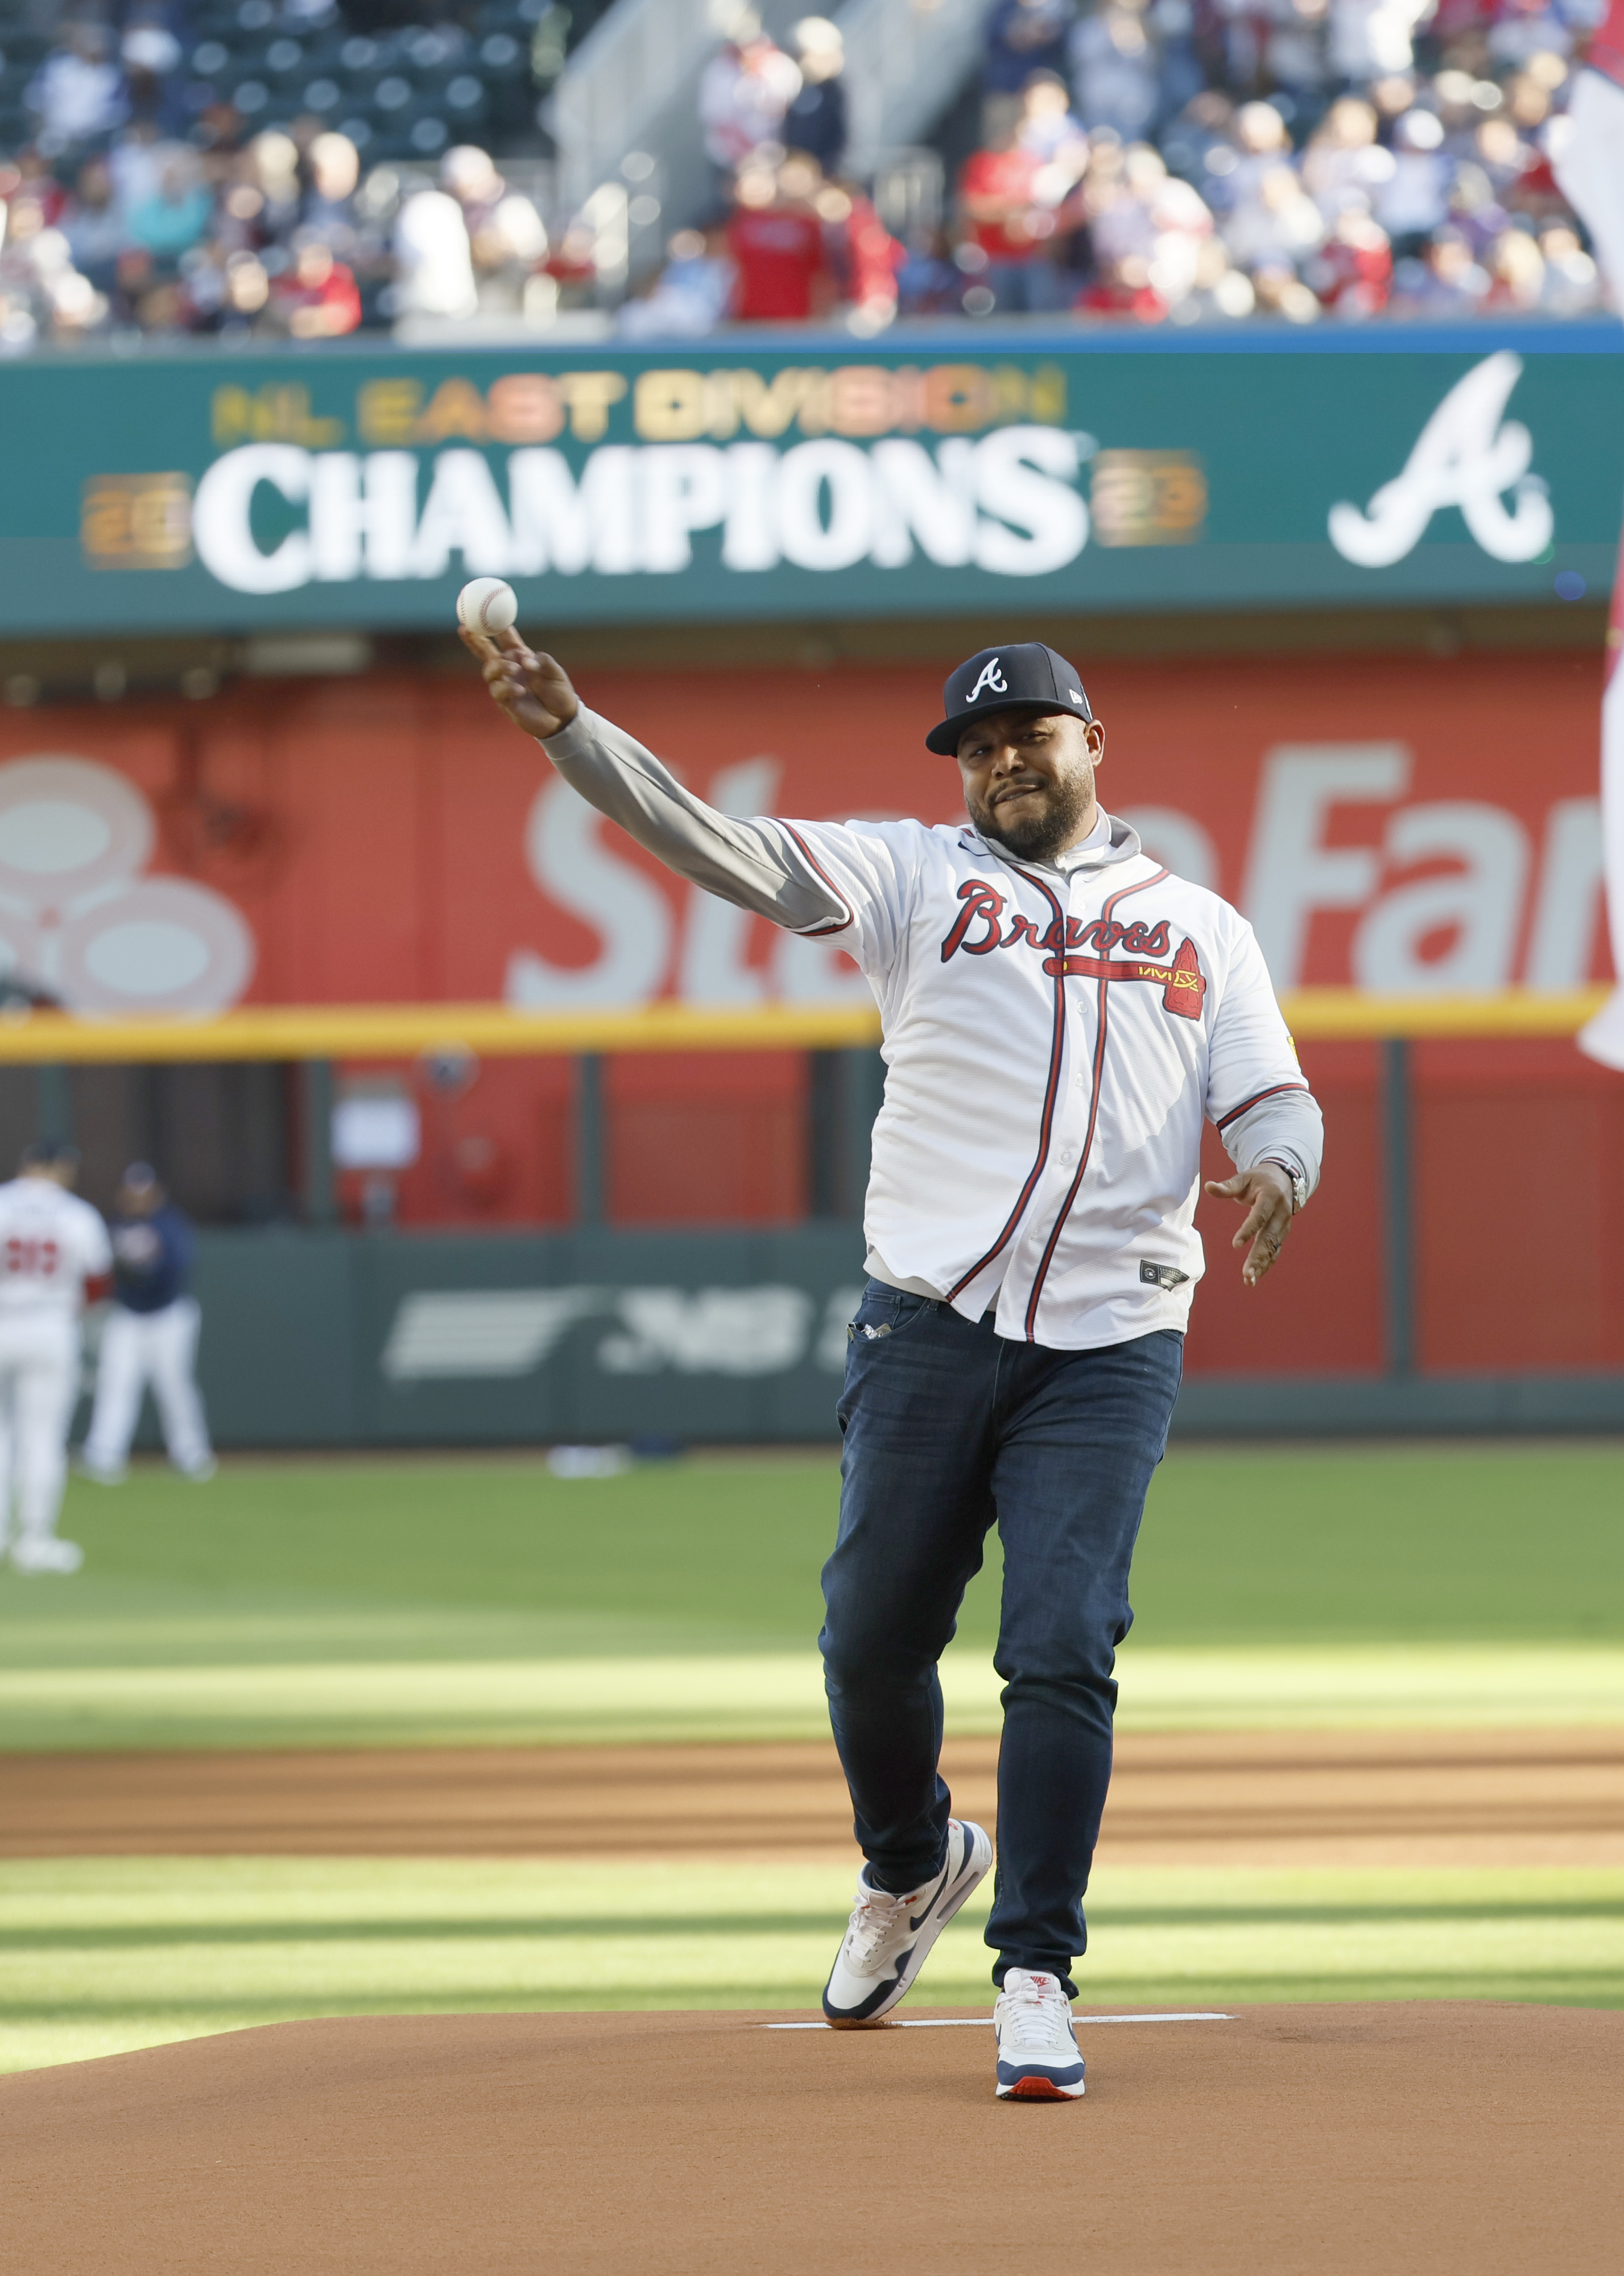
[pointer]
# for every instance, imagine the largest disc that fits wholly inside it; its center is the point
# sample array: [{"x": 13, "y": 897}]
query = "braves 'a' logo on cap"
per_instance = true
[{"x": 991, "y": 679}]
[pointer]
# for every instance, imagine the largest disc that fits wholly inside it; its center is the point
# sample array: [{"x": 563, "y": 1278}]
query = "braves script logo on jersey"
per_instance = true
[
  {"x": 978, "y": 928},
  {"x": 992, "y": 679}
]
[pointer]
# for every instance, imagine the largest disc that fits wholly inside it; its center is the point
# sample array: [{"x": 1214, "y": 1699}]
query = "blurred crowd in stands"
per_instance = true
[
  {"x": 1167, "y": 160},
  {"x": 248, "y": 168},
  {"x": 1143, "y": 160}
]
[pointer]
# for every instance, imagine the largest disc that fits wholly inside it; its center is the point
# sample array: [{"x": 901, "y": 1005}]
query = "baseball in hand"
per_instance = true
[{"x": 488, "y": 605}]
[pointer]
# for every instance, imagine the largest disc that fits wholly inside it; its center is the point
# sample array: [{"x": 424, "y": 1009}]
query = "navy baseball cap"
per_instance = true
[
  {"x": 49, "y": 1154},
  {"x": 1024, "y": 676}
]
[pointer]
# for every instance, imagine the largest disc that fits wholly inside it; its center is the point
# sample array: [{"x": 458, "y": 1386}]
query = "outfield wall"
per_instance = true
[
  {"x": 1416, "y": 822},
  {"x": 329, "y": 1339},
  {"x": 1344, "y": 683},
  {"x": 1390, "y": 822}
]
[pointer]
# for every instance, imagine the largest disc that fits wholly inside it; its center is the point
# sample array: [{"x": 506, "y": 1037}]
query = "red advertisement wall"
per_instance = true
[
  {"x": 1389, "y": 824},
  {"x": 1399, "y": 823}
]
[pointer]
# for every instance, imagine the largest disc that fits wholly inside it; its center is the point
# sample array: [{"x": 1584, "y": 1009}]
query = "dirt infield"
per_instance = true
[
  {"x": 1452, "y": 2140},
  {"x": 1528, "y": 1797}
]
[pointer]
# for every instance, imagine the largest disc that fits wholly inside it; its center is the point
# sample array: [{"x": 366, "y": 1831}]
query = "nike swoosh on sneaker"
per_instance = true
[
  {"x": 916, "y": 1921},
  {"x": 962, "y": 1871}
]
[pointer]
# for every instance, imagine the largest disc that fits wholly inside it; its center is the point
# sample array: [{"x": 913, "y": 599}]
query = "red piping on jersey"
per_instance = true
[
  {"x": 1045, "y": 1130},
  {"x": 1246, "y": 1104},
  {"x": 818, "y": 931},
  {"x": 1093, "y": 1116}
]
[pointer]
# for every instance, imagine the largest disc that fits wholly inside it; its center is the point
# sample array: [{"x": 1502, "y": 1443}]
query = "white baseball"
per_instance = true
[{"x": 488, "y": 605}]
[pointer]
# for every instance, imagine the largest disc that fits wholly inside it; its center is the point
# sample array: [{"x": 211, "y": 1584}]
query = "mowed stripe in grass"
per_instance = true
[
  {"x": 97, "y": 1955},
  {"x": 436, "y": 1600},
  {"x": 1263, "y": 1544},
  {"x": 750, "y": 1696}
]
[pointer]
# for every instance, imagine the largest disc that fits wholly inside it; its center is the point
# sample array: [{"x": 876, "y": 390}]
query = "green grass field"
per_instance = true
[
  {"x": 97, "y": 1955},
  {"x": 438, "y": 1600},
  {"x": 393, "y": 1602},
  {"x": 1288, "y": 1545}
]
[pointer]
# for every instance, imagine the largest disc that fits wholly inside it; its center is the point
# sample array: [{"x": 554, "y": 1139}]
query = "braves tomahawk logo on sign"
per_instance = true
[
  {"x": 991, "y": 681},
  {"x": 977, "y": 930},
  {"x": 1466, "y": 456}
]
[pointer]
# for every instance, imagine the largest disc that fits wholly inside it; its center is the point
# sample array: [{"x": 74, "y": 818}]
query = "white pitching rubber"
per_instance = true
[{"x": 488, "y": 605}]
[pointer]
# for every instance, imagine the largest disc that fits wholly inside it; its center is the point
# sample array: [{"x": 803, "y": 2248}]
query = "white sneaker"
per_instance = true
[
  {"x": 43, "y": 1553},
  {"x": 1038, "y": 2058},
  {"x": 101, "y": 1473},
  {"x": 199, "y": 1472},
  {"x": 887, "y": 1937}
]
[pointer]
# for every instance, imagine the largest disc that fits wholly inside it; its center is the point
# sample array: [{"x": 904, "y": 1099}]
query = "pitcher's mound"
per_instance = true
[{"x": 1316, "y": 2141}]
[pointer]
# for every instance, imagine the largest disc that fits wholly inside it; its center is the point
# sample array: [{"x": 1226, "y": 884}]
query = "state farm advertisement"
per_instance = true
[{"x": 1399, "y": 825}]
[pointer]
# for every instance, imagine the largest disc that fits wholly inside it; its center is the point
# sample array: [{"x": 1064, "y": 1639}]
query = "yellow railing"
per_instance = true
[
  {"x": 397, "y": 1031},
  {"x": 1337, "y": 1015}
]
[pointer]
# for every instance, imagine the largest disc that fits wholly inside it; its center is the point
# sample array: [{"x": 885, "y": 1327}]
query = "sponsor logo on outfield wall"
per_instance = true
[
  {"x": 1381, "y": 826},
  {"x": 478, "y": 1334}
]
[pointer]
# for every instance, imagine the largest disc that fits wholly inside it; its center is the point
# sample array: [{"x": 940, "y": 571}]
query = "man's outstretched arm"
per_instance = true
[{"x": 753, "y": 864}]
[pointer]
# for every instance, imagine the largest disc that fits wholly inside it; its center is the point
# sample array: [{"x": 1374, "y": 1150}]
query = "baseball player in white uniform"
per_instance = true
[
  {"x": 1059, "y": 1016},
  {"x": 53, "y": 1250}
]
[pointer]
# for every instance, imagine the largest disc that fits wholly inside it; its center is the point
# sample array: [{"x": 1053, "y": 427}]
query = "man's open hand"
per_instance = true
[
  {"x": 1266, "y": 1195},
  {"x": 533, "y": 690}
]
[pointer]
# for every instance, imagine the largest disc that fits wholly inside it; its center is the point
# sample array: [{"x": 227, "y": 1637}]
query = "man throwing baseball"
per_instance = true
[{"x": 1060, "y": 1015}]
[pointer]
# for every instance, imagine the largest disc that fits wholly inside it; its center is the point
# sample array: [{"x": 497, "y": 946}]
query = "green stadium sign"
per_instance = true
[{"x": 717, "y": 481}]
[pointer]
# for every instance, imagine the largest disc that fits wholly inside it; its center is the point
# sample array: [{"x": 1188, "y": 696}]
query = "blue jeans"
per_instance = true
[{"x": 947, "y": 1428}]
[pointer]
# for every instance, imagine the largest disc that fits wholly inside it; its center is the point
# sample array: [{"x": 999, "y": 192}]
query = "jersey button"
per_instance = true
[{"x": 1069, "y": 1154}]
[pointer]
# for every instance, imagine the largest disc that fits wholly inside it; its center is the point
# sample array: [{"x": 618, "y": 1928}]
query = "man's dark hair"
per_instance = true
[{"x": 48, "y": 1153}]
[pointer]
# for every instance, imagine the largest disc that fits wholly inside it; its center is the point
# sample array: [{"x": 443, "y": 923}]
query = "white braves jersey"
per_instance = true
[
  {"x": 1054, "y": 1035},
  {"x": 1054, "y": 1040},
  {"x": 50, "y": 1244}
]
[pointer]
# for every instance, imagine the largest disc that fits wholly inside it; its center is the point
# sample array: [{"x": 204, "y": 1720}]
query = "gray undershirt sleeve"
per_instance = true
[
  {"x": 1288, "y": 1127},
  {"x": 751, "y": 864}
]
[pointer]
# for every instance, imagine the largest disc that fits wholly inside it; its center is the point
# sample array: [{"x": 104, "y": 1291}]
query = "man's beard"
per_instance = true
[{"x": 1038, "y": 833}]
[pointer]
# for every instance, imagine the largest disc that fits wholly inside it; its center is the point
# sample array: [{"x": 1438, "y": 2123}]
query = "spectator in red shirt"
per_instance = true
[
  {"x": 1605, "y": 53},
  {"x": 775, "y": 240},
  {"x": 1123, "y": 288},
  {"x": 1352, "y": 270},
  {"x": 865, "y": 255},
  {"x": 318, "y": 298},
  {"x": 1010, "y": 229},
  {"x": 571, "y": 264}
]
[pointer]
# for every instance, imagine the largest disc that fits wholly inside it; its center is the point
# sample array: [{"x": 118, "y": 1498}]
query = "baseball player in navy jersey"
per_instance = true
[
  {"x": 54, "y": 1252},
  {"x": 149, "y": 1337},
  {"x": 1060, "y": 1014}
]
